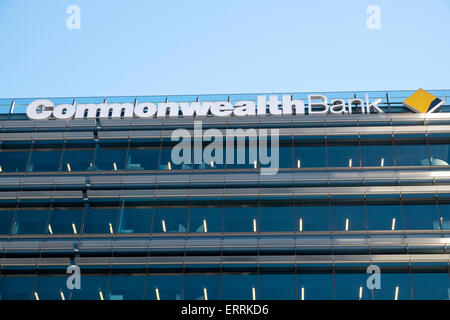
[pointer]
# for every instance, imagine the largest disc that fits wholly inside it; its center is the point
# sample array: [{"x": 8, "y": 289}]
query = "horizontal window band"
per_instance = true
[{"x": 230, "y": 260}]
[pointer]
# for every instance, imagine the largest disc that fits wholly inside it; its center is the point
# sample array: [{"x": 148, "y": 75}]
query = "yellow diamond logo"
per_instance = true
[{"x": 422, "y": 101}]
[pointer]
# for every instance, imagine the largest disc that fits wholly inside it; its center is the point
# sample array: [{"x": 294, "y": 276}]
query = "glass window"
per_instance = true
[
  {"x": 13, "y": 160},
  {"x": 170, "y": 219},
  {"x": 384, "y": 216},
  {"x": 100, "y": 219},
  {"x": 93, "y": 287},
  {"x": 377, "y": 155},
  {"x": 163, "y": 287},
  {"x": 51, "y": 287},
  {"x": 77, "y": 159},
  {"x": 241, "y": 217},
  {"x": 110, "y": 158},
  {"x": 30, "y": 221},
  {"x": 239, "y": 287},
  {"x": 166, "y": 162},
  {"x": 315, "y": 286},
  {"x": 343, "y": 155},
  {"x": 444, "y": 213},
  {"x": 16, "y": 287},
  {"x": 348, "y": 216},
  {"x": 44, "y": 160},
  {"x": 201, "y": 287},
  {"x": 143, "y": 158},
  {"x": 394, "y": 286},
  {"x": 205, "y": 217},
  {"x": 65, "y": 220},
  {"x": 420, "y": 216},
  {"x": 310, "y": 156},
  {"x": 312, "y": 217},
  {"x": 276, "y": 216},
  {"x": 245, "y": 157},
  {"x": 277, "y": 287},
  {"x": 6, "y": 219},
  {"x": 409, "y": 154},
  {"x": 285, "y": 155},
  {"x": 431, "y": 286},
  {"x": 135, "y": 218},
  {"x": 213, "y": 156},
  {"x": 439, "y": 154},
  {"x": 352, "y": 286},
  {"x": 126, "y": 287}
]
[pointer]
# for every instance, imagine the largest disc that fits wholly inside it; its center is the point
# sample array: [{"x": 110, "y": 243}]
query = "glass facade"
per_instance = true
[
  {"x": 298, "y": 155},
  {"x": 352, "y": 191}
]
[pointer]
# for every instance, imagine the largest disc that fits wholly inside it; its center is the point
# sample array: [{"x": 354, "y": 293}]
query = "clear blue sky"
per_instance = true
[{"x": 142, "y": 47}]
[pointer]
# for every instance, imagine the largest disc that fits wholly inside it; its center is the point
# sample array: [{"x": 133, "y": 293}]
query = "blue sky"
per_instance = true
[{"x": 142, "y": 47}]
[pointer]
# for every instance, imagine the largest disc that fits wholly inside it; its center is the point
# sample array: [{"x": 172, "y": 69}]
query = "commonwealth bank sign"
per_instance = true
[{"x": 316, "y": 104}]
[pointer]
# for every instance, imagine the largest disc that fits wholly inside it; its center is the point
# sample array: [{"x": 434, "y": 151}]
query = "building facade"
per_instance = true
[{"x": 370, "y": 188}]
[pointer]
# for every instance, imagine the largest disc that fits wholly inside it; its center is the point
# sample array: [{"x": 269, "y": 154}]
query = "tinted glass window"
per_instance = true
[
  {"x": 419, "y": 216},
  {"x": 77, "y": 160},
  {"x": 348, "y": 216},
  {"x": 384, "y": 216},
  {"x": 135, "y": 219},
  {"x": 66, "y": 220},
  {"x": 377, "y": 155},
  {"x": 310, "y": 156},
  {"x": 163, "y": 287},
  {"x": 276, "y": 216},
  {"x": 170, "y": 219},
  {"x": 100, "y": 219},
  {"x": 44, "y": 160},
  {"x": 241, "y": 217}
]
